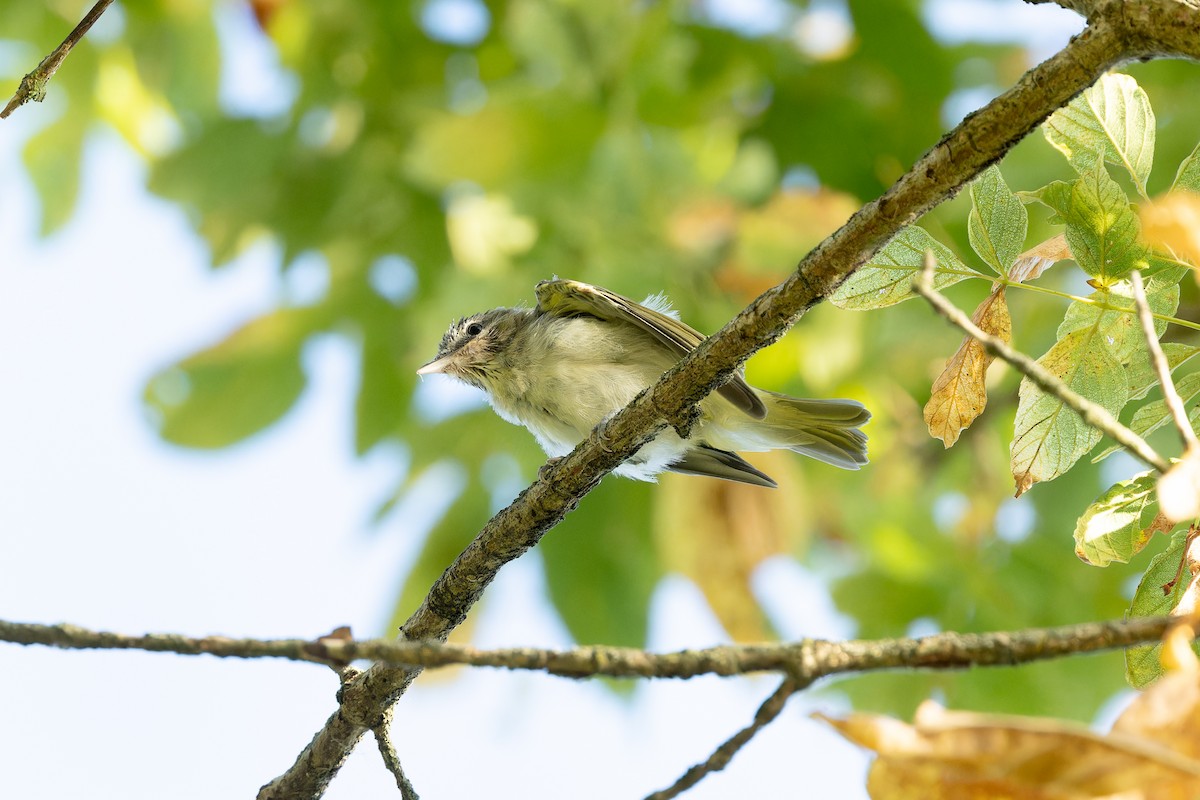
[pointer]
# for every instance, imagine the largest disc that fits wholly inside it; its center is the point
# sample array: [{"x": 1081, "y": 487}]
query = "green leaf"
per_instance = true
[
  {"x": 1153, "y": 416},
  {"x": 53, "y": 157},
  {"x": 1056, "y": 196},
  {"x": 1102, "y": 228},
  {"x": 385, "y": 385},
  {"x": 1142, "y": 377},
  {"x": 887, "y": 278},
  {"x": 1142, "y": 664},
  {"x": 1050, "y": 437},
  {"x": 601, "y": 565},
  {"x": 1112, "y": 121},
  {"x": 1112, "y": 313},
  {"x": 1188, "y": 176},
  {"x": 998, "y": 221},
  {"x": 234, "y": 389},
  {"x": 1119, "y": 524},
  {"x": 466, "y": 514}
]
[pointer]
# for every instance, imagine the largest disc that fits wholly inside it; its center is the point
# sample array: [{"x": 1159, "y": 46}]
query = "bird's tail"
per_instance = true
[{"x": 827, "y": 430}]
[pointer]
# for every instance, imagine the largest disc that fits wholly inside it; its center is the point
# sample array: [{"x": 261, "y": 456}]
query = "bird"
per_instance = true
[{"x": 583, "y": 353}]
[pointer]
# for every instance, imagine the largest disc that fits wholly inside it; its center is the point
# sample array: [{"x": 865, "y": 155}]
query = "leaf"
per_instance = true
[
  {"x": 1153, "y": 416},
  {"x": 1167, "y": 714},
  {"x": 1111, "y": 313},
  {"x": 601, "y": 565},
  {"x": 1102, "y": 229},
  {"x": 998, "y": 221},
  {"x": 1162, "y": 588},
  {"x": 954, "y": 755},
  {"x": 1171, "y": 224},
  {"x": 717, "y": 533},
  {"x": 1111, "y": 120},
  {"x": 1050, "y": 437},
  {"x": 1188, "y": 176},
  {"x": 1119, "y": 524},
  {"x": 385, "y": 383},
  {"x": 960, "y": 392},
  {"x": 1142, "y": 377},
  {"x": 454, "y": 530},
  {"x": 1179, "y": 488},
  {"x": 1039, "y": 258},
  {"x": 235, "y": 388},
  {"x": 887, "y": 278},
  {"x": 52, "y": 158}
]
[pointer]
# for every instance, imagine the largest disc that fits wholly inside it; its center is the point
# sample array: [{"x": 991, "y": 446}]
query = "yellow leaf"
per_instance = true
[
  {"x": 1167, "y": 713},
  {"x": 960, "y": 755},
  {"x": 959, "y": 393},
  {"x": 1171, "y": 224}
]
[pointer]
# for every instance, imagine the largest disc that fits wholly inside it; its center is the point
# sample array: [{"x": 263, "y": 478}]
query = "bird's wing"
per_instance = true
[
  {"x": 565, "y": 298},
  {"x": 713, "y": 463}
]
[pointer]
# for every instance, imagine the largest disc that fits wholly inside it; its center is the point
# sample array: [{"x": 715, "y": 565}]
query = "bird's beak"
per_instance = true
[{"x": 437, "y": 365}]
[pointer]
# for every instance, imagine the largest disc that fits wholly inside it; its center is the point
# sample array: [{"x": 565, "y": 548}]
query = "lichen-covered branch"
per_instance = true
[
  {"x": 1116, "y": 33},
  {"x": 391, "y": 760},
  {"x": 33, "y": 86},
  {"x": 806, "y": 660}
]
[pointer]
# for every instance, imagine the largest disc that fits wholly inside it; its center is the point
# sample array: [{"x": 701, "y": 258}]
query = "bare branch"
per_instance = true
[
  {"x": 807, "y": 660},
  {"x": 33, "y": 86},
  {"x": 1095, "y": 415},
  {"x": 392, "y": 761},
  {"x": 766, "y": 714},
  {"x": 1116, "y": 33},
  {"x": 1161, "y": 368}
]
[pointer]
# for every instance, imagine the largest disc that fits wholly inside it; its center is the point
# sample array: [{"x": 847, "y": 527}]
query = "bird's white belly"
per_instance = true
[{"x": 568, "y": 400}]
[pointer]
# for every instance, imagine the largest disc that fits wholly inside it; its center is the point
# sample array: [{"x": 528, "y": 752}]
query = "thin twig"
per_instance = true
[
  {"x": 392, "y": 761},
  {"x": 1093, "y": 414},
  {"x": 766, "y": 714},
  {"x": 1161, "y": 367},
  {"x": 33, "y": 86},
  {"x": 808, "y": 659}
]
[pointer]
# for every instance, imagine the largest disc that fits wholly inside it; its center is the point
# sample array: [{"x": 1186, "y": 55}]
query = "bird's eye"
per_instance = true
[{"x": 474, "y": 329}]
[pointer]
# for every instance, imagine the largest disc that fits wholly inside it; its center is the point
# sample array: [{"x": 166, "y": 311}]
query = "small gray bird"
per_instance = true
[{"x": 584, "y": 352}]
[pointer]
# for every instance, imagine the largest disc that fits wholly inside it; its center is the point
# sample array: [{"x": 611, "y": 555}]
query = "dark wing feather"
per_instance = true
[
  {"x": 713, "y": 463},
  {"x": 566, "y": 298}
]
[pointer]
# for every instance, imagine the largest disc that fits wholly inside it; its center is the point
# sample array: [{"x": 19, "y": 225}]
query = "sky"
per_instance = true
[{"x": 104, "y": 525}]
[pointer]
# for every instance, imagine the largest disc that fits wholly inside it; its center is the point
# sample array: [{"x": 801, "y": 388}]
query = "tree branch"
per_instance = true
[
  {"x": 1092, "y": 413},
  {"x": 33, "y": 86},
  {"x": 806, "y": 660},
  {"x": 392, "y": 761},
  {"x": 766, "y": 714},
  {"x": 1116, "y": 33},
  {"x": 1161, "y": 368}
]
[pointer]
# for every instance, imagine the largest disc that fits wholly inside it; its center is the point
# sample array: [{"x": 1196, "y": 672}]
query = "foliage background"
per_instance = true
[{"x": 401, "y": 165}]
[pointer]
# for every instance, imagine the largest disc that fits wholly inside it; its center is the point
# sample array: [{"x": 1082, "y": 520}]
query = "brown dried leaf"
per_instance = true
[
  {"x": 1167, "y": 713},
  {"x": 959, "y": 755},
  {"x": 1171, "y": 224},
  {"x": 960, "y": 392},
  {"x": 1036, "y": 260}
]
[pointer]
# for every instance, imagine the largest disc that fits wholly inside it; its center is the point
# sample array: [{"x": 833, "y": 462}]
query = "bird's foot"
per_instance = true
[{"x": 551, "y": 463}]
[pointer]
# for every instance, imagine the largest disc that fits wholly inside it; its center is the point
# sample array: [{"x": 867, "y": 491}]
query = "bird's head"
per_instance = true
[{"x": 472, "y": 347}]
